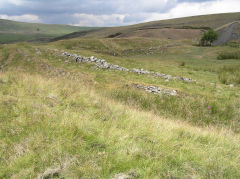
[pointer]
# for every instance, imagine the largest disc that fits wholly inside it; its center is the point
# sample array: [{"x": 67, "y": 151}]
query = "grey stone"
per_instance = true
[
  {"x": 101, "y": 63},
  {"x": 49, "y": 173},
  {"x": 122, "y": 176},
  {"x": 157, "y": 90}
]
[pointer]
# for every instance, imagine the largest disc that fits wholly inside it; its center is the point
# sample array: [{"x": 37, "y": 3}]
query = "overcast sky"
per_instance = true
[{"x": 109, "y": 12}]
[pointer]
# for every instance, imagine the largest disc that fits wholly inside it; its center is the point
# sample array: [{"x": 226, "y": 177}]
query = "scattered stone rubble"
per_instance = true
[
  {"x": 38, "y": 52},
  {"x": 50, "y": 173},
  {"x": 157, "y": 90},
  {"x": 169, "y": 77},
  {"x": 130, "y": 175},
  {"x": 140, "y": 71},
  {"x": 100, "y": 63},
  {"x": 122, "y": 176}
]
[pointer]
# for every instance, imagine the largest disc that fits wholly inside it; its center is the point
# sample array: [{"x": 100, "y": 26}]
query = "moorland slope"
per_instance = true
[
  {"x": 65, "y": 115},
  {"x": 190, "y": 28},
  {"x": 12, "y": 31}
]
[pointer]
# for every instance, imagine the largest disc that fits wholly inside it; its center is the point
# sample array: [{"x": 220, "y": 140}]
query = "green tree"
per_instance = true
[{"x": 208, "y": 38}]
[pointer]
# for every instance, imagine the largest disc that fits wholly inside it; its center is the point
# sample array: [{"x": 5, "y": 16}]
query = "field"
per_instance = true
[{"x": 59, "y": 118}]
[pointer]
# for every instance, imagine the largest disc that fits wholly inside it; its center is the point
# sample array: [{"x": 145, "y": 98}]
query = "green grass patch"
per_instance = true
[
  {"x": 12, "y": 31},
  {"x": 230, "y": 74},
  {"x": 56, "y": 123},
  {"x": 196, "y": 110},
  {"x": 11, "y": 37},
  {"x": 234, "y": 44},
  {"x": 229, "y": 55}
]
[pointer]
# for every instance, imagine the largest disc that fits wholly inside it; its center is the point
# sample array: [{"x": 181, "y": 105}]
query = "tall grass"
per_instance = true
[
  {"x": 234, "y": 44},
  {"x": 230, "y": 74},
  {"x": 194, "y": 109},
  {"x": 58, "y": 127}
]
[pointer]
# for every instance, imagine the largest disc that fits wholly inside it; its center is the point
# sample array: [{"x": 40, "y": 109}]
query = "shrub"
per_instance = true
[
  {"x": 182, "y": 64},
  {"x": 208, "y": 38},
  {"x": 230, "y": 74}
]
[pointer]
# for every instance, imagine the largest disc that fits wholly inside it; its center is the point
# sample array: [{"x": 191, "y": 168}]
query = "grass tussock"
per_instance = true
[
  {"x": 195, "y": 110},
  {"x": 230, "y": 74},
  {"x": 234, "y": 44},
  {"x": 229, "y": 55}
]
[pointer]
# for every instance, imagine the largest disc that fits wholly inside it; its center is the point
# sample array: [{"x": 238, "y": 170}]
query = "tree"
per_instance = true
[{"x": 208, "y": 38}]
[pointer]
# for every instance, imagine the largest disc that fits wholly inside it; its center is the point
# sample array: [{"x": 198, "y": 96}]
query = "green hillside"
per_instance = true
[
  {"x": 190, "y": 25},
  {"x": 11, "y": 31},
  {"x": 211, "y": 20},
  {"x": 68, "y": 119},
  {"x": 119, "y": 108}
]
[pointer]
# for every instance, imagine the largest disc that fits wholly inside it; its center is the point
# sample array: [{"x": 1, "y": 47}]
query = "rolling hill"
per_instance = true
[
  {"x": 66, "y": 117},
  {"x": 12, "y": 31},
  {"x": 176, "y": 29}
]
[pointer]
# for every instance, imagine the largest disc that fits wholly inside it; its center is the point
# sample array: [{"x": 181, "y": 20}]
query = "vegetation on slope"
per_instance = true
[
  {"x": 211, "y": 20},
  {"x": 230, "y": 74},
  {"x": 182, "y": 28},
  {"x": 58, "y": 127},
  {"x": 166, "y": 58},
  {"x": 73, "y": 120}
]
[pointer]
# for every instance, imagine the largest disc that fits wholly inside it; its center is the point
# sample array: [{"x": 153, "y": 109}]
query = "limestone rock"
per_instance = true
[
  {"x": 101, "y": 63},
  {"x": 157, "y": 90}
]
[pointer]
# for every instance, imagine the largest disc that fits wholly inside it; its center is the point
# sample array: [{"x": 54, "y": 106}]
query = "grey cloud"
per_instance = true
[
  {"x": 62, "y": 11},
  {"x": 96, "y": 7},
  {"x": 194, "y": 0}
]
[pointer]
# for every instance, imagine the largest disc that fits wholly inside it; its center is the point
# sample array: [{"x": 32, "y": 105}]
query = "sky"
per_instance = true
[{"x": 109, "y": 12}]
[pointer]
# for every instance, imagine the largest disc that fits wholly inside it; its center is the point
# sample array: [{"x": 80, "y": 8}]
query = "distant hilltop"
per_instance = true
[
  {"x": 227, "y": 26},
  {"x": 190, "y": 28}
]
